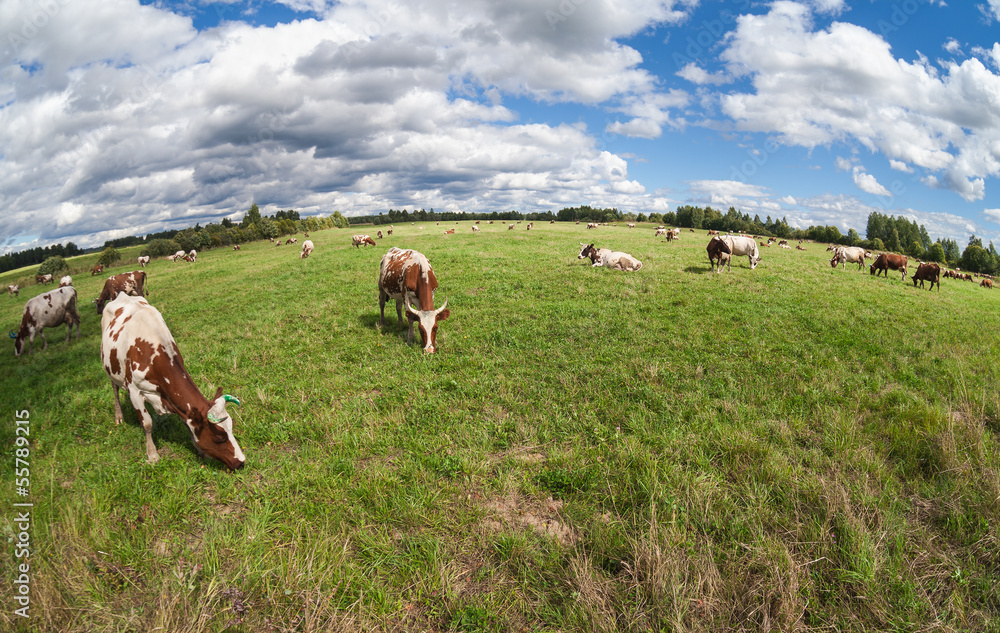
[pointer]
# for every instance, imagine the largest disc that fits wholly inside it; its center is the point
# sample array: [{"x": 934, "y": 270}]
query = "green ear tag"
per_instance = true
[
  {"x": 229, "y": 398},
  {"x": 212, "y": 418}
]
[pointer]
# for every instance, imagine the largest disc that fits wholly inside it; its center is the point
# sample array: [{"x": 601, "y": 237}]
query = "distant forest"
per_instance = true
[{"x": 883, "y": 232}]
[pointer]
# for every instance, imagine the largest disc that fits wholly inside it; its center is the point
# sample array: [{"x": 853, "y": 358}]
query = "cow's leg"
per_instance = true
[
  {"x": 399, "y": 311},
  {"x": 147, "y": 424},
  {"x": 381, "y": 308},
  {"x": 118, "y": 406},
  {"x": 46, "y": 343}
]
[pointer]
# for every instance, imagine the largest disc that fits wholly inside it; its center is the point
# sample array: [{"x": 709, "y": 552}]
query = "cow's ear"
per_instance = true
[
  {"x": 444, "y": 314},
  {"x": 218, "y": 394}
]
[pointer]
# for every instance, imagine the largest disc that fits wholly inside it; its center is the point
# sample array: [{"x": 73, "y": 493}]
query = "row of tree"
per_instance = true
[{"x": 32, "y": 256}]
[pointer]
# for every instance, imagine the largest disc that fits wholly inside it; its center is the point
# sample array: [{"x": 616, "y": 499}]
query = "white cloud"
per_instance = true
[
  {"x": 842, "y": 164},
  {"x": 899, "y": 165},
  {"x": 698, "y": 75},
  {"x": 991, "y": 10},
  {"x": 992, "y": 214},
  {"x": 952, "y": 46},
  {"x": 867, "y": 183},
  {"x": 843, "y": 85}
]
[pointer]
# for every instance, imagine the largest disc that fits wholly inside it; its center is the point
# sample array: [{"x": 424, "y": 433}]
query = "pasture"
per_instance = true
[{"x": 789, "y": 448}]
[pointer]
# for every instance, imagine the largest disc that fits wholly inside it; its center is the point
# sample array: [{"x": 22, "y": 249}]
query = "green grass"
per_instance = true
[{"x": 788, "y": 448}]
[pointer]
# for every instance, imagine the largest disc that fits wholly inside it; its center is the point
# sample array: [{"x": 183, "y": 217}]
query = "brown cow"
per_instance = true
[
  {"x": 927, "y": 272},
  {"x": 407, "y": 277},
  {"x": 718, "y": 250},
  {"x": 986, "y": 283},
  {"x": 885, "y": 261},
  {"x": 97, "y": 270},
  {"x": 130, "y": 283}
]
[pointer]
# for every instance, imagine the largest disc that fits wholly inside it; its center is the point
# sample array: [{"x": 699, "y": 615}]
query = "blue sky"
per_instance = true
[{"x": 121, "y": 118}]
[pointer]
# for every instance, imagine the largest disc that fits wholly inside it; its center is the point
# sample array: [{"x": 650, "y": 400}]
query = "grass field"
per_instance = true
[{"x": 789, "y": 448}]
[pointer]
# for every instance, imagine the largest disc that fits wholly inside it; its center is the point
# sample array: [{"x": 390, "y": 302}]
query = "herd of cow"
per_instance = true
[{"x": 138, "y": 351}]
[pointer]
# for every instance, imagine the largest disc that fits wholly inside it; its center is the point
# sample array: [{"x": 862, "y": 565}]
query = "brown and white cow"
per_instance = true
[
  {"x": 927, "y": 272},
  {"x": 97, "y": 269},
  {"x": 450, "y": 232},
  {"x": 362, "y": 240},
  {"x": 741, "y": 245},
  {"x": 13, "y": 289},
  {"x": 407, "y": 277},
  {"x": 139, "y": 354},
  {"x": 49, "y": 309},
  {"x": 192, "y": 256},
  {"x": 65, "y": 281},
  {"x": 307, "y": 249},
  {"x": 616, "y": 260},
  {"x": 718, "y": 252},
  {"x": 885, "y": 261},
  {"x": 849, "y": 254},
  {"x": 43, "y": 279},
  {"x": 142, "y": 260},
  {"x": 132, "y": 283},
  {"x": 236, "y": 248},
  {"x": 475, "y": 229},
  {"x": 177, "y": 255},
  {"x": 379, "y": 235},
  {"x": 510, "y": 227},
  {"x": 986, "y": 283}
]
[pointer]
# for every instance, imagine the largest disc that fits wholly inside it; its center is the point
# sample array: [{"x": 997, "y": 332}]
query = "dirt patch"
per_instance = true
[{"x": 541, "y": 516}]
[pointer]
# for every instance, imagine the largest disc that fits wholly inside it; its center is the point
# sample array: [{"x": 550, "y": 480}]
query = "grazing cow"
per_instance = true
[
  {"x": 178, "y": 255},
  {"x": 407, "y": 277},
  {"x": 986, "y": 283},
  {"x": 142, "y": 260},
  {"x": 615, "y": 260},
  {"x": 742, "y": 245},
  {"x": 660, "y": 231},
  {"x": 592, "y": 225},
  {"x": 13, "y": 289},
  {"x": 277, "y": 243},
  {"x": 530, "y": 224},
  {"x": 43, "y": 279},
  {"x": 510, "y": 227},
  {"x": 852, "y": 254},
  {"x": 379, "y": 235},
  {"x": 192, "y": 256},
  {"x": 65, "y": 281},
  {"x": 140, "y": 354},
  {"x": 885, "y": 261},
  {"x": 713, "y": 232},
  {"x": 927, "y": 272},
  {"x": 362, "y": 240},
  {"x": 475, "y": 229},
  {"x": 236, "y": 248},
  {"x": 130, "y": 283},
  {"x": 49, "y": 309},
  {"x": 388, "y": 232},
  {"x": 97, "y": 270},
  {"x": 718, "y": 250},
  {"x": 307, "y": 249}
]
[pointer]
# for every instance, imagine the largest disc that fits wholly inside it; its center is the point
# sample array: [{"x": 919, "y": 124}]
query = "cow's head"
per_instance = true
[
  {"x": 834, "y": 262},
  {"x": 18, "y": 343},
  {"x": 427, "y": 321},
  {"x": 215, "y": 438},
  {"x": 588, "y": 250}
]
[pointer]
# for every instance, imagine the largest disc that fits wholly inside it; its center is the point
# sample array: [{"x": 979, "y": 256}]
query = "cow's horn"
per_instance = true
[
  {"x": 229, "y": 398},
  {"x": 443, "y": 306},
  {"x": 12, "y": 334}
]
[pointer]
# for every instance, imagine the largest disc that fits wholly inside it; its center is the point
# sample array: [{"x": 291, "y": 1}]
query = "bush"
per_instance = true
[
  {"x": 109, "y": 257},
  {"x": 52, "y": 265},
  {"x": 161, "y": 248}
]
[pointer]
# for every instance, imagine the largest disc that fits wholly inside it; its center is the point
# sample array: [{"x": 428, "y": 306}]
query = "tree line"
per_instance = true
[{"x": 32, "y": 256}]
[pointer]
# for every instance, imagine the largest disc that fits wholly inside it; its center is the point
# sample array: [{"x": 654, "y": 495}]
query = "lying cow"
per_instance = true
[
  {"x": 849, "y": 254},
  {"x": 307, "y": 249},
  {"x": 132, "y": 283},
  {"x": 615, "y": 260},
  {"x": 407, "y": 277},
  {"x": 885, "y": 261},
  {"x": 362, "y": 240},
  {"x": 49, "y": 309},
  {"x": 719, "y": 251},
  {"x": 927, "y": 272},
  {"x": 139, "y": 354},
  {"x": 741, "y": 245}
]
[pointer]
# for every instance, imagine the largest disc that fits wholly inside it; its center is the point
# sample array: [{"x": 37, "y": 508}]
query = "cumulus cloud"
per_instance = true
[
  {"x": 952, "y": 46},
  {"x": 120, "y": 116},
  {"x": 867, "y": 183},
  {"x": 992, "y": 214},
  {"x": 698, "y": 75},
  {"x": 842, "y": 164},
  {"x": 842, "y": 84},
  {"x": 899, "y": 165}
]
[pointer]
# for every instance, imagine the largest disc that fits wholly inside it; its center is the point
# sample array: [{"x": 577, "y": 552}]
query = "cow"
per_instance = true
[
  {"x": 388, "y": 232},
  {"x": 140, "y": 354},
  {"x": 986, "y": 283},
  {"x": 97, "y": 269},
  {"x": 475, "y": 229},
  {"x": 362, "y": 240},
  {"x": 236, "y": 247},
  {"x": 852, "y": 254},
  {"x": 450, "y": 232},
  {"x": 785, "y": 245},
  {"x": 615, "y": 260},
  {"x": 927, "y": 272},
  {"x": 142, "y": 260},
  {"x": 130, "y": 283},
  {"x": 742, "y": 245},
  {"x": 592, "y": 225},
  {"x": 407, "y": 277},
  {"x": 530, "y": 224},
  {"x": 885, "y": 261},
  {"x": 49, "y": 309},
  {"x": 13, "y": 289},
  {"x": 177, "y": 255},
  {"x": 43, "y": 279},
  {"x": 379, "y": 235},
  {"x": 712, "y": 232},
  {"x": 192, "y": 256},
  {"x": 800, "y": 248},
  {"x": 510, "y": 227},
  {"x": 307, "y": 249},
  {"x": 292, "y": 240},
  {"x": 719, "y": 250},
  {"x": 65, "y": 281}
]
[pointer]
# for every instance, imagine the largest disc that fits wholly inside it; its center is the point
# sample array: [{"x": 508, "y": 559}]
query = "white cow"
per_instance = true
[
  {"x": 742, "y": 245},
  {"x": 142, "y": 260},
  {"x": 307, "y": 248},
  {"x": 608, "y": 258},
  {"x": 852, "y": 254},
  {"x": 49, "y": 309}
]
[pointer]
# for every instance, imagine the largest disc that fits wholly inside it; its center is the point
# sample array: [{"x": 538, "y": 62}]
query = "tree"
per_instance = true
[
  {"x": 854, "y": 237},
  {"x": 269, "y": 228},
  {"x": 161, "y": 248},
  {"x": 109, "y": 257},
  {"x": 340, "y": 221},
  {"x": 915, "y": 249},
  {"x": 52, "y": 265},
  {"x": 975, "y": 259},
  {"x": 936, "y": 253},
  {"x": 975, "y": 241},
  {"x": 252, "y": 216}
]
